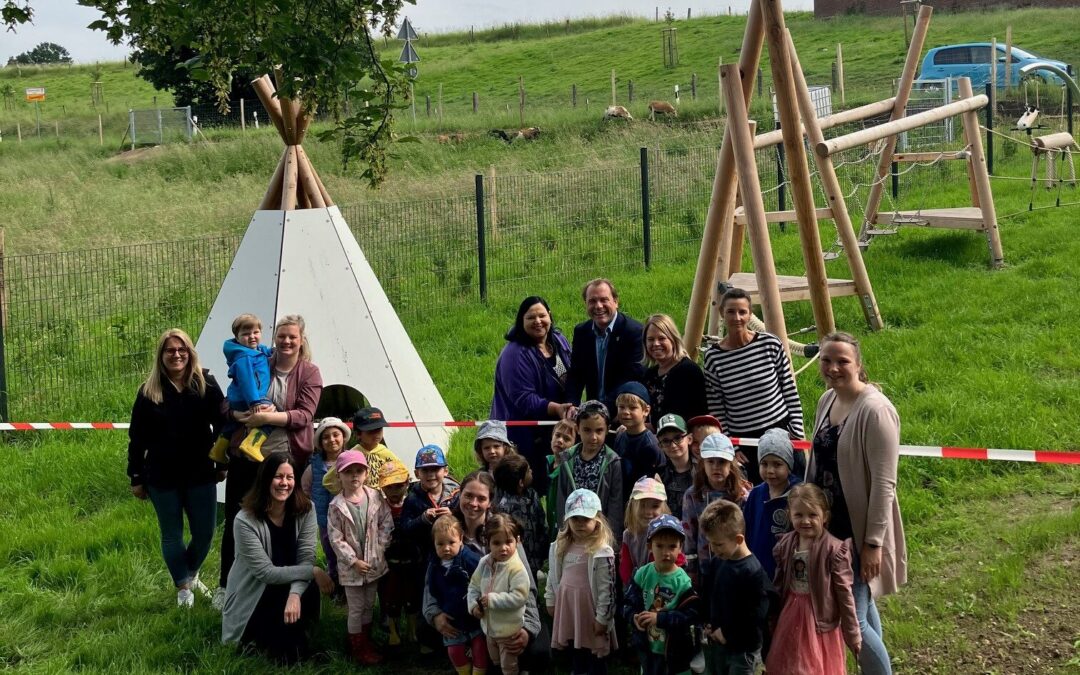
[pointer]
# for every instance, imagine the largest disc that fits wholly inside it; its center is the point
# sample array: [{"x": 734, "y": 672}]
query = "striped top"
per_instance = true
[{"x": 751, "y": 388}]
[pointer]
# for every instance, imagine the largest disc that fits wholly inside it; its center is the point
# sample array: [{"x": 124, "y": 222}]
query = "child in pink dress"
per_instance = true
[
  {"x": 580, "y": 593},
  {"x": 813, "y": 577}
]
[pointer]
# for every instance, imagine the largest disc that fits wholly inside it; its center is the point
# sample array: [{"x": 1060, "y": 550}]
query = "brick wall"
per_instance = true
[{"x": 827, "y": 8}]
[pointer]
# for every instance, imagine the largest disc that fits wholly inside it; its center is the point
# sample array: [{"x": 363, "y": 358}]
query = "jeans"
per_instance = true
[
  {"x": 874, "y": 658},
  {"x": 199, "y": 502},
  {"x": 721, "y": 661}
]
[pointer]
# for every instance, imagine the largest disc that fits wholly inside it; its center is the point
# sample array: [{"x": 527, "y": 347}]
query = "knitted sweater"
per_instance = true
[{"x": 506, "y": 585}]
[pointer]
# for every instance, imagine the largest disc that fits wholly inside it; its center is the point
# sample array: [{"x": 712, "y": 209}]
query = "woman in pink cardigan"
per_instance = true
[
  {"x": 295, "y": 388},
  {"x": 856, "y": 446}
]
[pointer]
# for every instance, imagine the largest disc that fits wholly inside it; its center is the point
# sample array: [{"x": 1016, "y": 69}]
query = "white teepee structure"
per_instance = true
[{"x": 298, "y": 256}]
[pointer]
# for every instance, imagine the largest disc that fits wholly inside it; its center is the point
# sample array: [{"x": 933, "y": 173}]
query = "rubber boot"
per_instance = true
[
  {"x": 252, "y": 444},
  {"x": 392, "y": 629},
  {"x": 369, "y": 656},
  {"x": 466, "y": 669},
  {"x": 356, "y": 651},
  {"x": 220, "y": 452}
]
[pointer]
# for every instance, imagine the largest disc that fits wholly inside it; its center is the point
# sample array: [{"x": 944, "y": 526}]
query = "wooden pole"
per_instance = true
[
  {"x": 475, "y": 103},
  {"x": 721, "y": 211},
  {"x": 327, "y": 201},
  {"x": 310, "y": 187},
  {"x": 56, "y": 125},
  {"x": 891, "y": 129},
  {"x": 521, "y": 100},
  {"x": 288, "y": 183},
  {"x": 840, "y": 71},
  {"x": 272, "y": 198},
  {"x": 982, "y": 177},
  {"x": 492, "y": 199},
  {"x": 243, "y": 117},
  {"x": 720, "y": 85},
  {"x": 798, "y": 171},
  {"x": 613, "y": 102},
  {"x": 834, "y": 193},
  {"x": 18, "y": 131},
  {"x": 264, "y": 89},
  {"x": 753, "y": 205},
  {"x": 100, "y": 132},
  {"x": 903, "y": 91},
  {"x": 836, "y": 119},
  {"x": 440, "y": 105},
  {"x": 1008, "y": 58},
  {"x": 993, "y": 68}
]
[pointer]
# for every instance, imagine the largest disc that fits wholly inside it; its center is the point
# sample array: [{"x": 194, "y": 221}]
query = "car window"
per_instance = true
[
  {"x": 952, "y": 55},
  {"x": 980, "y": 55}
]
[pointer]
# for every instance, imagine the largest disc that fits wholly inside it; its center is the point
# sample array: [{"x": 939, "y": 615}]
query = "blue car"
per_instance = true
[{"x": 973, "y": 60}]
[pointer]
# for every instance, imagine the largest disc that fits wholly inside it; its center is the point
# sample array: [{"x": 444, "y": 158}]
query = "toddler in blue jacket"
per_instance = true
[{"x": 249, "y": 370}]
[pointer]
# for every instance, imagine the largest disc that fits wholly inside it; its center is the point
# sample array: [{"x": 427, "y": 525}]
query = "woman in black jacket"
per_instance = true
[{"x": 175, "y": 419}]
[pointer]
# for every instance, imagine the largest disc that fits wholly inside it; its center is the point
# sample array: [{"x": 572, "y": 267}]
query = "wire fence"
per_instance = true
[{"x": 76, "y": 327}]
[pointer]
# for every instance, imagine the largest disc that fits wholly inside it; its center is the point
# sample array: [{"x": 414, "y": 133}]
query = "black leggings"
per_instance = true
[
  {"x": 241, "y": 477},
  {"x": 267, "y": 631}
]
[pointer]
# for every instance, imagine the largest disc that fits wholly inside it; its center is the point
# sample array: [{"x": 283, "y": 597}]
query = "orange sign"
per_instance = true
[{"x": 35, "y": 93}]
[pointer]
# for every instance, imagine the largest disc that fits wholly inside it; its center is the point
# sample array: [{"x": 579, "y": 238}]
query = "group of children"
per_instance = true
[{"x": 711, "y": 573}]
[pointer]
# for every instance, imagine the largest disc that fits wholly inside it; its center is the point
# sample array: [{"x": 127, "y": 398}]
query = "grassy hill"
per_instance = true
[{"x": 67, "y": 90}]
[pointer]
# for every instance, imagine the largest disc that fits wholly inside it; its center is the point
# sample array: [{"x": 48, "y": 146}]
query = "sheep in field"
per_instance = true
[
  {"x": 662, "y": 107},
  {"x": 617, "y": 112}
]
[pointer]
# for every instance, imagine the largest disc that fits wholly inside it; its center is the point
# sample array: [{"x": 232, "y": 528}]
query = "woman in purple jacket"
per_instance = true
[{"x": 530, "y": 382}]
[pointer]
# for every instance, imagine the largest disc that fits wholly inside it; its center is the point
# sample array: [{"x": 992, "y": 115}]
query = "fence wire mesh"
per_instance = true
[{"x": 78, "y": 326}]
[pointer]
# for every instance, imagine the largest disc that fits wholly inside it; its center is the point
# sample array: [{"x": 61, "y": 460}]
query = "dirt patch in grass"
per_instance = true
[
  {"x": 1040, "y": 639},
  {"x": 134, "y": 156}
]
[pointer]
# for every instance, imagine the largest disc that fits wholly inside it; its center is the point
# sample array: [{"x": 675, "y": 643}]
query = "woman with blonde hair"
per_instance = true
[
  {"x": 174, "y": 422},
  {"x": 675, "y": 383},
  {"x": 295, "y": 388}
]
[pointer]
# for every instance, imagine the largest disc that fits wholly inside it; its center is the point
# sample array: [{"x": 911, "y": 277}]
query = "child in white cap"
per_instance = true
[
  {"x": 580, "y": 593},
  {"x": 716, "y": 477}
]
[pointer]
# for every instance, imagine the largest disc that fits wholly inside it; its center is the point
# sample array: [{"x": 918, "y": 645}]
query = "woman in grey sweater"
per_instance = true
[{"x": 269, "y": 601}]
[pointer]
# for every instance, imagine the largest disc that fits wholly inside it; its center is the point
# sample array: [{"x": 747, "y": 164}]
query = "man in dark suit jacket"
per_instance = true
[{"x": 607, "y": 349}]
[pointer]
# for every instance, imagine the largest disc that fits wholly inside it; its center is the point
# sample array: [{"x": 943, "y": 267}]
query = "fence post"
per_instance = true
[
  {"x": 990, "y": 128},
  {"x": 481, "y": 248},
  {"x": 475, "y": 102},
  {"x": 243, "y": 117},
  {"x": 3, "y": 324},
  {"x": 629, "y": 91},
  {"x": 895, "y": 180},
  {"x": 646, "y": 217},
  {"x": 1069, "y": 102},
  {"x": 573, "y": 95},
  {"x": 781, "y": 193},
  {"x": 693, "y": 86}
]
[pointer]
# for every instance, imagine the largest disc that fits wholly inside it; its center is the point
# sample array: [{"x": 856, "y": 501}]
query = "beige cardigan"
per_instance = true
[{"x": 867, "y": 453}]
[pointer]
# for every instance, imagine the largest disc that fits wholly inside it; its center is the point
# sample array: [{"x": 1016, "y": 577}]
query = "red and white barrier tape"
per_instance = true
[{"x": 940, "y": 452}]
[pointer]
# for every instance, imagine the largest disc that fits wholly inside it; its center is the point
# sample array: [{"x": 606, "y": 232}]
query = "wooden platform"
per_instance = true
[
  {"x": 791, "y": 288},
  {"x": 782, "y": 216},
  {"x": 962, "y": 218}
]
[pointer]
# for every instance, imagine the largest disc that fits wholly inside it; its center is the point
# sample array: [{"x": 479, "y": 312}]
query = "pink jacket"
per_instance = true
[
  {"x": 830, "y": 578},
  {"x": 347, "y": 546}
]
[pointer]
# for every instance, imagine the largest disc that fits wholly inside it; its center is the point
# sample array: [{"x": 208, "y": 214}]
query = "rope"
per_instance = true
[{"x": 1008, "y": 137}]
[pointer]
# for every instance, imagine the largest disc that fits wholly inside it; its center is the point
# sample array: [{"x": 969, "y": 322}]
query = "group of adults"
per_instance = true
[
  {"x": 268, "y": 558},
  {"x": 747, "y": 384}
]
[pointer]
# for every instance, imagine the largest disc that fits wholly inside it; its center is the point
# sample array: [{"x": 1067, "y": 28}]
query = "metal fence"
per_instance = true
[{"x": 76, "y": 327}]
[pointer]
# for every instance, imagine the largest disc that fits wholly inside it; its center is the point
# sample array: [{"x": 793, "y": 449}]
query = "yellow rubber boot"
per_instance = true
[
  {"x": 465, "y": 669},
  {"x": 479, "y": 671},
  {"x": 252, "y": 444},
  {"x": 220, "y": 452},
  {"x": 392, "y": 629}
]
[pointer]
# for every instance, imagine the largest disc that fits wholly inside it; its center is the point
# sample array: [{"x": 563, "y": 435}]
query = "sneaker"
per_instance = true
[
  {"x": 185, "y": 598},
  {"x": 199, "y": 587},
  {"x": 218, "y": 600},
  {"x": 697, "y": 664}
]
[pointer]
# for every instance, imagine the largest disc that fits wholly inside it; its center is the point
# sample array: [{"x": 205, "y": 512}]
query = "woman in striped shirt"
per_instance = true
[{"x": 748, "y": 381}]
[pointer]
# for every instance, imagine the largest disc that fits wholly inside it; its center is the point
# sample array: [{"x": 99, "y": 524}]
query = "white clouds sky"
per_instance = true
[{"x": 64, "y": 22}]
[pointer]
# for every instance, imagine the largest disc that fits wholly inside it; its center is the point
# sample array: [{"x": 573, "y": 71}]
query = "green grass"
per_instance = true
[
  {"x": 971, "y": 357},
  {"x": 67, "y": 92}
]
